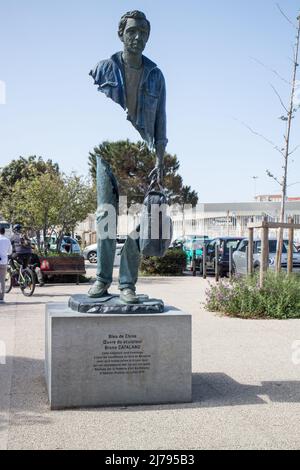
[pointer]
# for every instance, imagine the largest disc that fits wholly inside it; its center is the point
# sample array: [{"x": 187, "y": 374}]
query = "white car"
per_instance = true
[
  {"x": 90, "y": 252},
  {"x": 240, "y": 256},
  {"x": 8, "y": 228}
]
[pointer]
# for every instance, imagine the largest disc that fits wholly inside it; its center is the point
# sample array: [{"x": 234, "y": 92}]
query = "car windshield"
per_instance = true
[
  {"x": 195, "y": 243},
  {"x": 231, "y": 243},
  {"x": 4, "y": 225},
  {"x": 273, "y": 246}
]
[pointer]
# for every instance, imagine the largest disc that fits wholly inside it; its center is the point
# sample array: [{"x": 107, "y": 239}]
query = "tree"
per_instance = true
[
  {"x": 290, "y": 110},
  {"x": 35, "y": 205},
  {"x": 132, "y": 163},
  {"x": 77, "y": 200},
  {"x": 187, "y": 197},
  {"x": 25, "y": 168},
  {"x": 45, "y": 200},
  {"x": 288, "y": 117}
]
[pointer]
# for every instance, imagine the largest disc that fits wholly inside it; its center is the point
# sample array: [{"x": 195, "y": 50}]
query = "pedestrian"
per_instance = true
[{"x": 5, "y": 251}]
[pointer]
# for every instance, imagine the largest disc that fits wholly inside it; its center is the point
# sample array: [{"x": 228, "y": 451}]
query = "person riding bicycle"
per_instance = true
[
  {"x": 19, "y": 273},
  {"x": 21, "y": 246}
]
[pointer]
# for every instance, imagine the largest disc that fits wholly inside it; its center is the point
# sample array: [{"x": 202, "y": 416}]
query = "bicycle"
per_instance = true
[{"x": 17, "y": 276}]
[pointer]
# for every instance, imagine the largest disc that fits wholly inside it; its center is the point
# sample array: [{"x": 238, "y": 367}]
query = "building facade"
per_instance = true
[{"x": 212, "y": 219}]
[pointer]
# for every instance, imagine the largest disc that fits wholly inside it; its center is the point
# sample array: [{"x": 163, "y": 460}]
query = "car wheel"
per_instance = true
[{"x": 92, "y": 257}]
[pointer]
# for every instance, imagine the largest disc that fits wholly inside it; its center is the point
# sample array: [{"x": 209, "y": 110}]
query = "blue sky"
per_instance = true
[{"x": 205, "y": 51}]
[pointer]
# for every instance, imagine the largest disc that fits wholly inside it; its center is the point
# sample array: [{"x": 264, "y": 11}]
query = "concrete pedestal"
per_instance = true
[{"x": 117, "y": 360}]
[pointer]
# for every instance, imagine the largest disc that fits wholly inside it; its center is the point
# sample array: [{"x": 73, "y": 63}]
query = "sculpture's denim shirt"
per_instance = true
[{"x": 150, "y": 119}]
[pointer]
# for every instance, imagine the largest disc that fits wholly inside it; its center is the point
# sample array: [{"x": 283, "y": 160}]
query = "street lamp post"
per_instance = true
[{"x": 255, "y": 178}]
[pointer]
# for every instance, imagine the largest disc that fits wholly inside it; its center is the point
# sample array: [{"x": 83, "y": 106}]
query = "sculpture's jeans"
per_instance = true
[{"x": 108, "y": 199}]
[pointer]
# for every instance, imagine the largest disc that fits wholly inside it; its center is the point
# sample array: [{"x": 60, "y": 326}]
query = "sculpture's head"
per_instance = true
[{"x": 134, "y": 31}]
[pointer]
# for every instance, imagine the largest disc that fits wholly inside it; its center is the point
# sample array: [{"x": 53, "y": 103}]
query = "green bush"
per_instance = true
[
  {"x": 172, "y": 264},
  {"x": 54, "y": 254},
  {"x": 242, "y": 297}
]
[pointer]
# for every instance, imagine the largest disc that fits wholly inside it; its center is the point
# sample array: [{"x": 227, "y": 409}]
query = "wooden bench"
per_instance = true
[{"x": 63, "y": 266}]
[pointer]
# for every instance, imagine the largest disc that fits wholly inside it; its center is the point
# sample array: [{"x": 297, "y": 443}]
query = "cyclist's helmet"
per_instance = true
[{"x": 17, "y": 228}]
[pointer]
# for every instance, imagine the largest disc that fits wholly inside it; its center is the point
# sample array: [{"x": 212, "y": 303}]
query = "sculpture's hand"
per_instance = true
[{"x": 157, "y": 174}]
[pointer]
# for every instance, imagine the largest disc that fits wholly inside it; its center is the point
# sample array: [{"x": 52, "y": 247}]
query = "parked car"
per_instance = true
[
  {"x": 70, "y": 245},
  {"x": 8, "y": 228},
  {"x": 90, "y": 252},
  {"x": 240, "y": 256},
  {"x": 194, "y": 244},
  {"x": 191, "y": 243},
  {"x": 224, "y": 243}
]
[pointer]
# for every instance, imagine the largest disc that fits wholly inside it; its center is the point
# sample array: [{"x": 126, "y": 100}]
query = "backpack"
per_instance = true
[
  {"x": 24, "y": 241},
  {"x": 156, "y": 228}
]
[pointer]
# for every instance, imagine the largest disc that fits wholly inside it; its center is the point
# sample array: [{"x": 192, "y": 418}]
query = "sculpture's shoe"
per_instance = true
[
  {"x": 128, "y": 296},
  {"x": 98, "y": 290}
]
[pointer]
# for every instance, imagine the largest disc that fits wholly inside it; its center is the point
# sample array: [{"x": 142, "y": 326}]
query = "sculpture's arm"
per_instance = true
[{"x": 160, "y": 136}]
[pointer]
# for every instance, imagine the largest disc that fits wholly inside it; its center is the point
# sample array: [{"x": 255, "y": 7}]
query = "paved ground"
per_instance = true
[{"x": 246, "y": 388}]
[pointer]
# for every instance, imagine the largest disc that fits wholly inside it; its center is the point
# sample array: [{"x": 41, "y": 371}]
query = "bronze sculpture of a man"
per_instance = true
[{"x": 135, "y": 83}]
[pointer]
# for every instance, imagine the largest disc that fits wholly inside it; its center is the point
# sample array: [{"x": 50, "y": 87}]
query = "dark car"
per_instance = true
[{"x": 223, "y": 243}]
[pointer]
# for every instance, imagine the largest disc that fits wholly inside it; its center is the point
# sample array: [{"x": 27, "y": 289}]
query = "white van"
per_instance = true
[{"x": 8, "y": 228}]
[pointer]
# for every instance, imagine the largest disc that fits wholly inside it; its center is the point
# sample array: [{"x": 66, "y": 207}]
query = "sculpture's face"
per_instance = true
[{"x": 135, "y": 36}]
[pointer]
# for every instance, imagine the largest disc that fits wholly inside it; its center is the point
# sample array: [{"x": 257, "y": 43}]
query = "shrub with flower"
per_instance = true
[{"x": 242, "y": 297}]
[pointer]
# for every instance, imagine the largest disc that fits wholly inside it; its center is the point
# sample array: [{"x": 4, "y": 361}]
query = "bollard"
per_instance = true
[
  {"x": 194, "y": 263},
  {"x": 217, "y": 276},
  {"x": 250, "y": 267},
  {"x": 204, "y": 262},
  {"x": 230, "y": 262},
  {"x": 291, "y": 246},
  {"x": 264, "y": 263}
]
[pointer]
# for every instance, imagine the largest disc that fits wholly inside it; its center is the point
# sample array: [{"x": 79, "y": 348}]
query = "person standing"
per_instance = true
[{"x": 5, "y": 251}]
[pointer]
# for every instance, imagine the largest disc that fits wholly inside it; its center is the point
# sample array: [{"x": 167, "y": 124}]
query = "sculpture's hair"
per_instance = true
[{"x": 136, "y": 15}]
